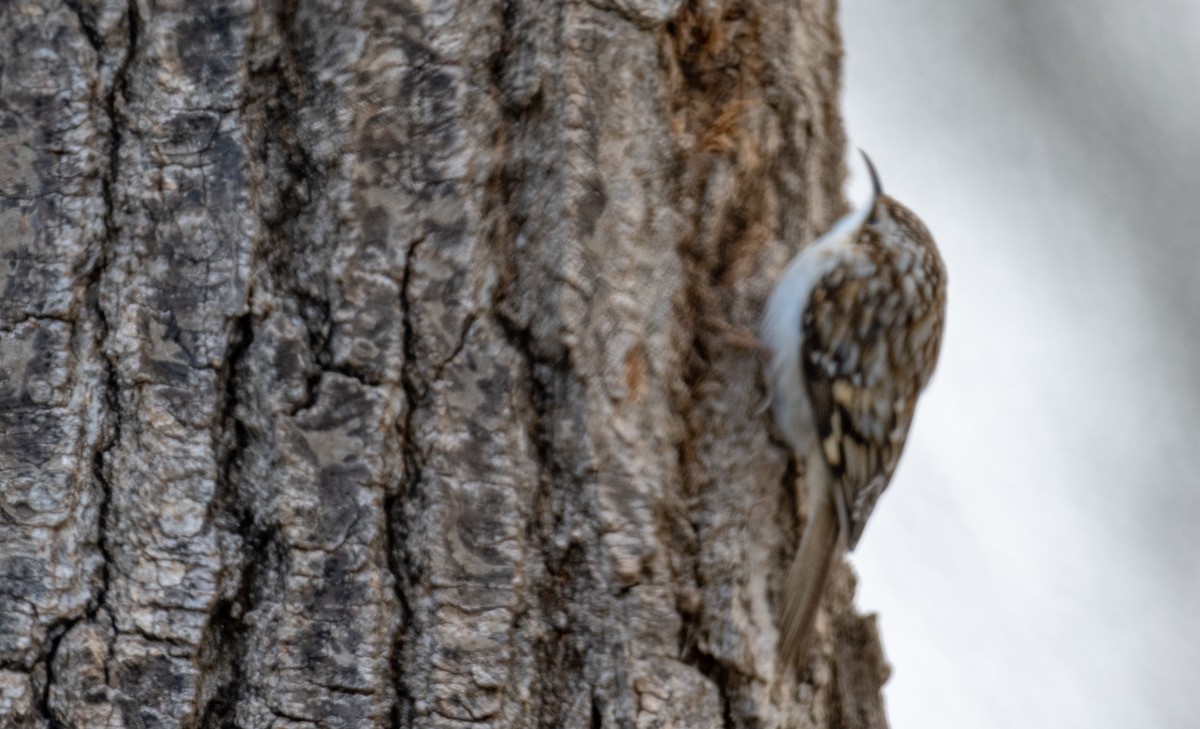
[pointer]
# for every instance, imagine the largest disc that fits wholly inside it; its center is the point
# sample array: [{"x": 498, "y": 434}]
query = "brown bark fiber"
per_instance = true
[{"x": 359, "y": 363}]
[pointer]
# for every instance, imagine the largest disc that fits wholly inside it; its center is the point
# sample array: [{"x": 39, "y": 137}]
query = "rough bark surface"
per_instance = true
[{"x": 358, "y": 363}]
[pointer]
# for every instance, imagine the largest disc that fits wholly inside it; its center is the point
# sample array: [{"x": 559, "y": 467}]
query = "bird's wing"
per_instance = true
[{"x": 863, "y": 377}]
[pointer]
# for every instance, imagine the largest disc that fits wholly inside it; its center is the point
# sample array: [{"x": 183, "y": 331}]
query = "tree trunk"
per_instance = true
[{"x": 361, "y": 363}]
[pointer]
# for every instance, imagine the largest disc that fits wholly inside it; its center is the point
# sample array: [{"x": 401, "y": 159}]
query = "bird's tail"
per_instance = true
[{"x": 806, "y": 577}]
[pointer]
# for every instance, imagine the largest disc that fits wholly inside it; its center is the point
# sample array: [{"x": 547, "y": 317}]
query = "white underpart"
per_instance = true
[{"x": 783, "y": 319}]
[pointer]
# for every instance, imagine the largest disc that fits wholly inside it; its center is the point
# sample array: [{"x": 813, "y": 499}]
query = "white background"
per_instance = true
[{"x": 1036, "y": 562}]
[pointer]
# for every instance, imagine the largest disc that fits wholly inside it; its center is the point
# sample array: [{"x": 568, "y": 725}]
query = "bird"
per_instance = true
[{"x": 852, "y": 328}]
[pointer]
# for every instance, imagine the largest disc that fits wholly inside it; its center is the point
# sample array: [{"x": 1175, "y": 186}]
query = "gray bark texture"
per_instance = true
[{"x": 361, "y": 363}]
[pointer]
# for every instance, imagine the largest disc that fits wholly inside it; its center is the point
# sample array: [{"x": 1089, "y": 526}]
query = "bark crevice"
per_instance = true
[
  {"x": 400, "y": 564},
  {"x": 93, "y": 295},
  {"x": 87, "y": 23}
]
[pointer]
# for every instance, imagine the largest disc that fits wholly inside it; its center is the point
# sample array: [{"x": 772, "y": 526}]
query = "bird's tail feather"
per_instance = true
[{"x": 809, "y": 570}]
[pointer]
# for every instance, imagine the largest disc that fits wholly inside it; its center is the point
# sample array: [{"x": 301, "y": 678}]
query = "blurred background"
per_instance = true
[{"x": 1036, "y": 562}]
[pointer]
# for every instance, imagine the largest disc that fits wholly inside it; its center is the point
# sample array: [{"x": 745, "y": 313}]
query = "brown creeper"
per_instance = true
[{"x": 853, "y": 326}]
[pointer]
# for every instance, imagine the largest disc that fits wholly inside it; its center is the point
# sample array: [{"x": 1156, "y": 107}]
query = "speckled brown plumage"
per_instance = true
[
  {"x": 871, "y": 331},
  {"x": 854, "y": 326}
]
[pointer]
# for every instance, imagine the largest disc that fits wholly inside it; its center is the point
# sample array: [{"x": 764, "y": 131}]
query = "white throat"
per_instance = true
[{"x": 783, "y": 319}]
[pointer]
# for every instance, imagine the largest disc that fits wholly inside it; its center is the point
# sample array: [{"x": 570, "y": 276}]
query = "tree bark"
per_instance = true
[{"x": 360, "y": 363}]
